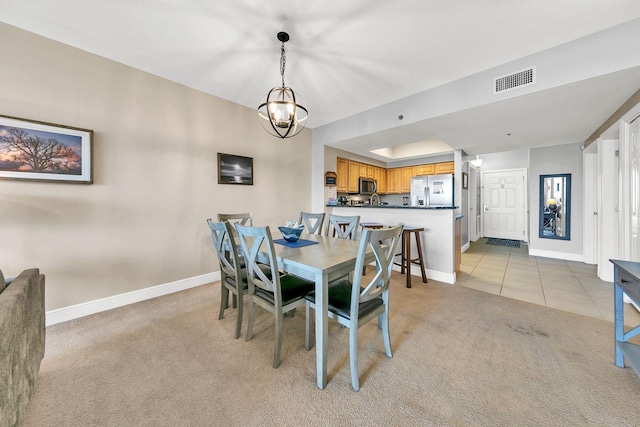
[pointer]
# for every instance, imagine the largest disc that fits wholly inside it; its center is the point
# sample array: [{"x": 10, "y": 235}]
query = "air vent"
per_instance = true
[{"x": 515, "y": 80}]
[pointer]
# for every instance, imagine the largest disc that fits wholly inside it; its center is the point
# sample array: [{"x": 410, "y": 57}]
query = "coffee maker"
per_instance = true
[{"x": 343, "y": 200}]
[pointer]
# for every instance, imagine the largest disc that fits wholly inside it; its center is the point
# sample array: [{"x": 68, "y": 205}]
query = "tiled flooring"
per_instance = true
[{"x": 563, "y": 285}]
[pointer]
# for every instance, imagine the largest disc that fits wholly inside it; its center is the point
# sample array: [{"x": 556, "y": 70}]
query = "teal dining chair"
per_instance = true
[
  {"x": 355, "y": 302},
  {"x": 312, "y": 221},
  {"x": 278, "y": 293},
  {"x": 344, "y": 227}
]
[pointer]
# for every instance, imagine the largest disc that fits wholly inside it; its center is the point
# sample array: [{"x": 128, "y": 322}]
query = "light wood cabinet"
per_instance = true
[
  {"x": 380, "y": 174},
  {"x": 390, "y": 181},
  {"x": 425, "y": 169},
  {"x": 447, "y": 167},
  {"x": 354, "y": 177},
  {"x": 371, "y": 171},
  {"x": 363, "y": 170},
  {"x": 342, "y": 170},
  {"x": 393, "y": 181},
  {"x": 405, "y": 178}
]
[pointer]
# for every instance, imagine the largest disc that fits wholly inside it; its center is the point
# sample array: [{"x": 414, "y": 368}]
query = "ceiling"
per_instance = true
[{"x": 347, "y": 58}]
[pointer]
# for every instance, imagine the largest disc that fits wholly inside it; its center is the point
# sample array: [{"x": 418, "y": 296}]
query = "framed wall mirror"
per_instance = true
[{"x": 555, "y": 206}]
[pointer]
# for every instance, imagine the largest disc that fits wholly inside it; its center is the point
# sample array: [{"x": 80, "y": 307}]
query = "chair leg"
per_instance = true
[
  {"x": 239, "y": 316},
  {"x": 234, "y": 300},
  {"x": 385, "y": 332},
  {"x": 419, "y": 246},
  {"x": 276, "y": 354},
  {"x": 224, "y": 300},
  {"x": 407, "y": 256},
  {"x": 353, "y": 357},
  {"x": 309, "y": 336},
  {"x": 252, "y": 315}
]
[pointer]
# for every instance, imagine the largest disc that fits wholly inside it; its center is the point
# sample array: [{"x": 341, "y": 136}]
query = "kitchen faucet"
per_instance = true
[{"x": 371, "y": 199}]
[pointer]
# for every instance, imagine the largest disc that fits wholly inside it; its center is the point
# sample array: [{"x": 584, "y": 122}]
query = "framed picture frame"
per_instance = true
[
  {"x": 45, "y": 152},
  {"x": 234, "y": 169},
  {"x": 465, "y": 181}
]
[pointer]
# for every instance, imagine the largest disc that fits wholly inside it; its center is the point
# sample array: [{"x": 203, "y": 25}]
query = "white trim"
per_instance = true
[
  {"x": 431, "y": 274},
  {"x": 465, "y": 247},
  {"x": 556, "y": 255},
  {"x": 65, "y": 314}
]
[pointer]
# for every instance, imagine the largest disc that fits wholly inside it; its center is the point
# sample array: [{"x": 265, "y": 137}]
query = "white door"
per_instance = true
[
  {"x": 634, "y": 133},
  {"x": 504, "y": 198},
  {"x": 590, "y": 198}
]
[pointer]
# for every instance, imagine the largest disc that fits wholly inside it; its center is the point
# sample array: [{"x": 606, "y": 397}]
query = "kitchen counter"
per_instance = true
[
  {"x": 437, "y": 239},
  {"x": 392, "y": 207}
]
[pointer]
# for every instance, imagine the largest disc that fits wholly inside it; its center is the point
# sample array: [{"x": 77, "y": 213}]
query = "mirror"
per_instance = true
[{"x": 555, "y": 206}]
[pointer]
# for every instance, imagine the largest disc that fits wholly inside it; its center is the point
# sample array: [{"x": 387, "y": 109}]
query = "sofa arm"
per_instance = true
[{"x": 22, "y": 341}]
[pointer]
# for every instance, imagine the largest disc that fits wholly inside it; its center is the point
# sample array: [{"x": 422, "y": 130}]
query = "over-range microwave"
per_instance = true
[{"x": 368, "y": 186}]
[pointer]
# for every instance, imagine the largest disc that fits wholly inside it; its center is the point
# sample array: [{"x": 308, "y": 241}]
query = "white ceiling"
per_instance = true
[{"x": 348, "y": 57}]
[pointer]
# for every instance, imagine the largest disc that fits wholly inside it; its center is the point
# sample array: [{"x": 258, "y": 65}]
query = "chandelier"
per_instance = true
[{"x": 281, "y": 112}]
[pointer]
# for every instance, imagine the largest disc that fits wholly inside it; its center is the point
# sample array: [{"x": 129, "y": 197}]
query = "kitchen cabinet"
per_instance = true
[
  {"x": 425, "y": 169},
  {"x": 393, "y": 181},
  {"x": 447, "y": 167},
  {"x": 381, "y": 178},
  {"x": 390, "y": 181},
  {"x": 342, "y": 170},
  {"x": 354, "y": 177},
  {"x": 371, "y": 171},
  {"x": 405, "y": 179}
]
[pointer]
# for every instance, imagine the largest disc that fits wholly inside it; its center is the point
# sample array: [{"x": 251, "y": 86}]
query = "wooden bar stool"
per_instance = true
[
  {"x": 405, "y": 255},
  {"x": 373, "y": 225}
]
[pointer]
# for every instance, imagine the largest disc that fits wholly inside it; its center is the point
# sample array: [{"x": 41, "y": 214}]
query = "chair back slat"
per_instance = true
[
  {"x": 226, "y": 248},
  {"x": 252, "y": 240},
  {"x": 384, "y": 244},
  {"x": 312, "y": 221},
  {"x": 344, "y": 227}
]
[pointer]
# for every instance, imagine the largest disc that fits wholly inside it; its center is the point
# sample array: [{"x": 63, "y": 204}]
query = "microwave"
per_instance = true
[{"x": 367, "y": 187}]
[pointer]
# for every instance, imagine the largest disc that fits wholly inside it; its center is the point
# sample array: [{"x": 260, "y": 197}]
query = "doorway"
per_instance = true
[
  {"x": 504, "y": 210},
  {"x": 474, "y": 205}
]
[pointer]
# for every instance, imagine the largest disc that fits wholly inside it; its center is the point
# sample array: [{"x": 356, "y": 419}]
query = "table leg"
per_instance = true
[
  {"x": 619, "y": 324},
  {"x": 322, "y": 325}
]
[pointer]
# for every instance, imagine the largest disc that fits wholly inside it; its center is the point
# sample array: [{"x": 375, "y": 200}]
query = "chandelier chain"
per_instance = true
[{"x": 283, "y": 61}]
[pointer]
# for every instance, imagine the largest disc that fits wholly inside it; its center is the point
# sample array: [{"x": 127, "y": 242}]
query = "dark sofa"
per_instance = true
[{"x": 22, "y": 338}]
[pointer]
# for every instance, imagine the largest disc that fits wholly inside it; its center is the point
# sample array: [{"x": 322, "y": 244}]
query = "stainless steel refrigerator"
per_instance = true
[{"x": 432, "y": 190}]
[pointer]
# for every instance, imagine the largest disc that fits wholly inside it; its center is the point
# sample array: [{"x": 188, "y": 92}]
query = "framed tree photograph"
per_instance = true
[
  {"x": 39, "y": 151},
  {"x": 235, "y": 169}
]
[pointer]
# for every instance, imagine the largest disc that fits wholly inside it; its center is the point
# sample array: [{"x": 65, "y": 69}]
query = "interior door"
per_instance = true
[
  {"x": 634, "y": 131},
  {"x": 503, "y": 195}
]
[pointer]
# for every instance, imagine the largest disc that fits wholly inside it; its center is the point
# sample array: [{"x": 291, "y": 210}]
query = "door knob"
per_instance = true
[{"x": 486, "y": 208}]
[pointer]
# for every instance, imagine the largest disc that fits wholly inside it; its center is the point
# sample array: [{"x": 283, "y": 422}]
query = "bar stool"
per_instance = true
[
  {"x": 372, "y": 225},
  {"x": 405, "y": 255}
]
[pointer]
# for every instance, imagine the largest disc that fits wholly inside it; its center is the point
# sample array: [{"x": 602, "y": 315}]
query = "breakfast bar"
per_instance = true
[{"x": 437, "y": 240}]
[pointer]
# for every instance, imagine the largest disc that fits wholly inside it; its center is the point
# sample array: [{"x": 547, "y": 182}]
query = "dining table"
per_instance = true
[{"x": 331, "y": 258}]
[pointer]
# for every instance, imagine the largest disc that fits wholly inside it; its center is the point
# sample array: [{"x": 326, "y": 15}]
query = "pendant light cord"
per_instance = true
[{"x": 283, "y": 61}]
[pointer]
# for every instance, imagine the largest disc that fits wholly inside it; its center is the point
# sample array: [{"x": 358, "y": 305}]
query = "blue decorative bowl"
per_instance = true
[{"x": 291, "y": 234}]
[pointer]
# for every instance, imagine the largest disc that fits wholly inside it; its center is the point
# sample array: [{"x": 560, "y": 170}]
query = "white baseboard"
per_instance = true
[
  {"x": 464, "y": 247},
  {"x": 65, "y": 314},
  {"x": 431, "y": 274},
  {"x": 557, "y": 255}
]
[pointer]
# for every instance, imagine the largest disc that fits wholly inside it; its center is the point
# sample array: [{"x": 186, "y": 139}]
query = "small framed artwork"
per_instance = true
[
  {"x": 45, "y": 152},
  {"x": 235, "y": 169},
  {"x": 465, "y": 181}
]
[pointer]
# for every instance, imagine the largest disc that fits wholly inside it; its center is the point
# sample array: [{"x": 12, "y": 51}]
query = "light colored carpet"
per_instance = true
[{"x": 461, "y": 357}]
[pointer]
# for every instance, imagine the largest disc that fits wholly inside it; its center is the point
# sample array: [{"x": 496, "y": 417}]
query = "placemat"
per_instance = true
[{"x": 297, "y": 244}]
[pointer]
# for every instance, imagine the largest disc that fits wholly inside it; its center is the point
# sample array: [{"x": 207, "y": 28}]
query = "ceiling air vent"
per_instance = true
[{"x": 515, "y": 80}]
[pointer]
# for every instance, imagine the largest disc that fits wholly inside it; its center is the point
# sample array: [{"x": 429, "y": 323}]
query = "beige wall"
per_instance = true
[{"x": 142, "y": 222}]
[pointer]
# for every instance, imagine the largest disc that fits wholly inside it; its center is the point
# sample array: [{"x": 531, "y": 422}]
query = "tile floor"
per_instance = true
[{"x": 563, "y": 285}]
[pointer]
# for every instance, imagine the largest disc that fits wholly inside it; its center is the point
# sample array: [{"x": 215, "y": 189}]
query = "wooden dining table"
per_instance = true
[{"x": 321, "y": 263}]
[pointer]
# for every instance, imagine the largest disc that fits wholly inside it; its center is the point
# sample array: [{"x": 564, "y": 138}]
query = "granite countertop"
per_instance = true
[{"x": 392, "y": 207}]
